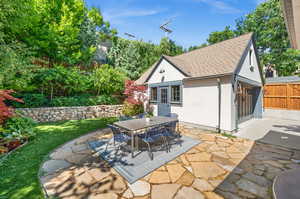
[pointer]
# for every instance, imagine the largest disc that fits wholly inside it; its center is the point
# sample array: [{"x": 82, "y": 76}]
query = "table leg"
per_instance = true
[{"x": 132, "y": 144}]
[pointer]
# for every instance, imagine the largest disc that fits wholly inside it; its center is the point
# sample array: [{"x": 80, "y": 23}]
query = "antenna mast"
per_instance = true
[{"x": 164, "y": 28}]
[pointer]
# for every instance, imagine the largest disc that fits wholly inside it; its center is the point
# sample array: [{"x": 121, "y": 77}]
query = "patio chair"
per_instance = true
[
  {"x": 151, "y": 136},
  {"x": 141, "y": 115},
  {"x": 118, "y": 136},
  {"x": 124, "y": 118},
  {"x": 171, "y": 133}
]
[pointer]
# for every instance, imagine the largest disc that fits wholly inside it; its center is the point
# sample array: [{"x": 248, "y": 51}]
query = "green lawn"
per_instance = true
[{"x": 19, "y": 172}]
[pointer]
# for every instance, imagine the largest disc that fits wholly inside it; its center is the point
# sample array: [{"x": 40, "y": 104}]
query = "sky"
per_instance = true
[{"x": 192, "y": 20}]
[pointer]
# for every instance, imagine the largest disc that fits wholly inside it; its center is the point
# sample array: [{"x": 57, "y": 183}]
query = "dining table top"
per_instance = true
[{"x": 143, "y": 123}]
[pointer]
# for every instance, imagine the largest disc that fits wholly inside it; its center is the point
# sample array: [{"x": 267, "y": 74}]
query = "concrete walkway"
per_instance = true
[{"x": 280, "y": 132}]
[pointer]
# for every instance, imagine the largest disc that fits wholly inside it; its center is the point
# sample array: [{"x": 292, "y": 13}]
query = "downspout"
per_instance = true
[{"x": 219, "y": 105}]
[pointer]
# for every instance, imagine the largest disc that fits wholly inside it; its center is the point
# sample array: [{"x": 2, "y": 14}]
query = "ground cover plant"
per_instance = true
[{"x": 19, "y": 171}]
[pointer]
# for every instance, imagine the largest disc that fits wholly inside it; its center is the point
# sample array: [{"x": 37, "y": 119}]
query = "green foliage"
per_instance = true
[
  {"x": 83, "y": 101},
  {"x": 219, "y": 36},
  {"x": 267, "y": 22},
  {"x": 168, "y": 47},
  {"x": 18, "y": 172},
  {"x": 19, "y": 128},
  {"x": 64, "y": 31},
  {"x": 15, "y": 66},
  {"x": 61, "y": 81},
  {"x": 134, "y": 57},
  {"x": 130, "y": 109},
  {"x": 196, "y": 47},
  {"x": 31, "y": 100},
  {"x": 40, "y": 100},
  {"x": 108, "y": 80},
  {"x": 289, "y": 62},
  {"x": 272, "y": 42}
]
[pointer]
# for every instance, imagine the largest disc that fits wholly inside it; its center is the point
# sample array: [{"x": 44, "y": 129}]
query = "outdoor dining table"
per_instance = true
[{"x": 134, "y": 126}]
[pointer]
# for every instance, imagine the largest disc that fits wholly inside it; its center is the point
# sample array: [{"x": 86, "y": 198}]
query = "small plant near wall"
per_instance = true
[
  {"x": 14, "y": 129},
  {"x": 136, "y": 98},
  {"x": 6, "y": 111}
]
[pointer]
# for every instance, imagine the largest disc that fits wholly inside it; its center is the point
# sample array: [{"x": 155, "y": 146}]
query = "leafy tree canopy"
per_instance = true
[
  {"x": 218, "y": 36},
  {"x": 271, "y": 37},
  {"x": 134, "y": 57}
]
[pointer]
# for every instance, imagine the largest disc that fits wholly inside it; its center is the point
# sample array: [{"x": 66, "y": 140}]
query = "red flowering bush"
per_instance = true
[
  {"x": 136, "y": 97},
  {"x": 6, "y": 111},
  {"x": 136, "y": 94}
]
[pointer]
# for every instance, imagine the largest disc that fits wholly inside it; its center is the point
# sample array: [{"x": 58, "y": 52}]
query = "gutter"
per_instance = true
[
  {"x": 219, "y": 105},
  {"x": 207, "y": 77}
]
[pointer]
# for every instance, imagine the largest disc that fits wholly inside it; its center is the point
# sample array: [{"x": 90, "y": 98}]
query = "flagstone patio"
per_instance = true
[{"x": 219, "y": 167}]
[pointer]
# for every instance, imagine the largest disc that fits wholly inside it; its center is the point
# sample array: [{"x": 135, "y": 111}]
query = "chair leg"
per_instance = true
[
  {"x": 168, "y": 147},
  {"x": 107, "y": 144},
  {"x": 150, "y": 152}
]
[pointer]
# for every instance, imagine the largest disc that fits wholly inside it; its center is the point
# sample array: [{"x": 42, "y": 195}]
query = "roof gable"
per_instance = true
[{"x": 217, "y": 59}]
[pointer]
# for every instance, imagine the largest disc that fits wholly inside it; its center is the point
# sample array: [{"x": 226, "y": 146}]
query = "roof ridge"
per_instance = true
[{"x": 212, "y": 44}]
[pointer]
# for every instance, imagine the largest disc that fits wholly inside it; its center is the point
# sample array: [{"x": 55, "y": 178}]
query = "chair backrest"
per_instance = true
[
  {"x": 173, "y": 115},
  {"x": 123, "y": 118},
  {"x": 155, "y": 130},
  {"x": 142, "y": 115},
  {"x": 114, "y": 129},
  {"x": 172, "y": 125}
]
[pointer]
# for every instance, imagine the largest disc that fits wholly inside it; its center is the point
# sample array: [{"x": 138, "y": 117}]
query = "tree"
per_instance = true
[
  {"x": 169, "y": 47},
  {"x": 219, "y": 36},
  {"x": 271, "y": 36},
  {"x": 108, "y": 80},
  {"x": 191, "y": 48},
  {"x": 64, "y": 31}
]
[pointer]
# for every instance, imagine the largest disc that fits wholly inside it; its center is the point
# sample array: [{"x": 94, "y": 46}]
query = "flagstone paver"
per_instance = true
[
  {"x": 164, "y": 191},
  {"x": 202, "y": 185},
  {"x": 175, "y": 171},
  {"x": 140, "y": 188},
  {"x": 188, "y": 193},
  {"x": 218, "y": 168}
]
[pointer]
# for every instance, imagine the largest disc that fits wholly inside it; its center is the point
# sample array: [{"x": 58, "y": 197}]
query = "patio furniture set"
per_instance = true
[{"x": 147, "y": 130}]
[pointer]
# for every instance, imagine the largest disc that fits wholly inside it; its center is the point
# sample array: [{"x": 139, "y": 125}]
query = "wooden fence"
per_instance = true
[{"x": 282, "y": 96}]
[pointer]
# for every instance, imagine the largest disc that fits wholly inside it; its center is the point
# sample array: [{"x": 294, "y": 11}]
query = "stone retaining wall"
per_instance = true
[{"x": 52, "y": 114}]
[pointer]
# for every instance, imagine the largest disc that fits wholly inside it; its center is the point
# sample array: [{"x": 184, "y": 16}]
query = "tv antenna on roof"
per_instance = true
[
  {"x": 129, "y": 35},
  {"x": 164, "y": 27}
]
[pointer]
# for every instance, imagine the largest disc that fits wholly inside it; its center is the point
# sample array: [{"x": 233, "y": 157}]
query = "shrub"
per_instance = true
[
  {"x": 31, "y": 100},
  {"x": 134, "y": 103},
  {"x": 40, "y": 100},
  {"x": 19, "y": 128},
  {"x": 105, "y": 99},
  {"x": 61, "y": 81},
  {"x": 108, "y": 80},
  {"x": 6, "y": 111},
  {"x": 132, "y": 109}
]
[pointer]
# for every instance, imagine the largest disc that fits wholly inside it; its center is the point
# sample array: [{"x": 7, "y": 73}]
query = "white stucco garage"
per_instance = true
[{"x": 218, "y": 86}]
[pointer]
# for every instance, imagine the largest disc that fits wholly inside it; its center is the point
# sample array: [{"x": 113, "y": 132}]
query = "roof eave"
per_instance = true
[{"x": 207, "y": 77}]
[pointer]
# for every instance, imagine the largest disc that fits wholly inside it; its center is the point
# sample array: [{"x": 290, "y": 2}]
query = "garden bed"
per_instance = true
[{"x": 11, "y": 150}]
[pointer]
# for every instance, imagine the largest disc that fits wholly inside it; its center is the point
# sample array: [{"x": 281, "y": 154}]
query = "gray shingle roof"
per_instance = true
[
  {"x": 283, "y": 79},
  {"x": 217, "y": 59}
]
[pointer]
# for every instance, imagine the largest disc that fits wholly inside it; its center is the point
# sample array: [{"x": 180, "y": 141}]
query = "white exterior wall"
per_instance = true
[
  {"x": 200, "y": 103},
  {"x": 170, "y": 74},
  {"x": 245, "y": 69}
]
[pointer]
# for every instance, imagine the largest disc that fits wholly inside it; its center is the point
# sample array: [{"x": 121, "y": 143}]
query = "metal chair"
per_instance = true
[
  {"x": 171, "y": 133},
  {"x": 118, "y": 136},
  {"x": 141, "y": 115},
  {"x": 151, "y": 136},
  {"x": 124, "y": 118}
]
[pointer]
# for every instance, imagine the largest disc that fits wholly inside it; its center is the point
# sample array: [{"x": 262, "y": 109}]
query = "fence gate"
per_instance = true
[{"x": 282, "y": 96}]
